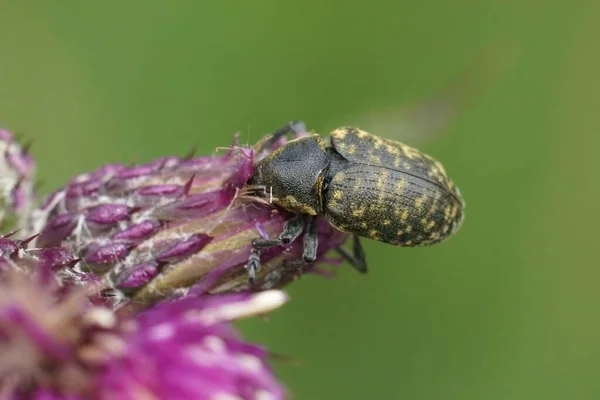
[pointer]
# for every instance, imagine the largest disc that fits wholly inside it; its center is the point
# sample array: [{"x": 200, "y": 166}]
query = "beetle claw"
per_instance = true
[{"x": 253, "y": 264}]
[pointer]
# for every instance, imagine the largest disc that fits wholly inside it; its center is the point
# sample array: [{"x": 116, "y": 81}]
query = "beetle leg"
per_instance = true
[
  {"x": 253, "y": 264},
  {"x": 357, "y": 259},
  {"x": 311, "y": 243},
  {"x": 295, "y": 127},
  {"x": 291, "y": 231}
]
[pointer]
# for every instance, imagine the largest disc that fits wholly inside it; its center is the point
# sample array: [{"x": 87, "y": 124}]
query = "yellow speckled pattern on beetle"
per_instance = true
[{"x": 390, "y": 192}]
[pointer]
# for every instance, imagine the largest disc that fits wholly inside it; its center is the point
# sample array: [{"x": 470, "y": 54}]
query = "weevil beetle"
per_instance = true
[{"x": 362, "y": 184}]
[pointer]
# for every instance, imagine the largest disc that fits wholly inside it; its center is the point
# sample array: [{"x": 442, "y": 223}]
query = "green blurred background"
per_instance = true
[{"x": 507, "y": 309}]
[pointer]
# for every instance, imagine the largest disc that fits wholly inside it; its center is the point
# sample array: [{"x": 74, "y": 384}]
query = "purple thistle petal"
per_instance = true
[
  {"x": 54, "y": 258},
  {"x": 184, "y": 248},
  {"x": 107, "y": 253},
  {"x": 194, "y": 206},
  {"x": 138, "y": 231},
  {"x": 138, "y": 275},
  {"x": 106, "y": 215},
  {"x": 83, "y": 189},
  {"x": 134, "y": 172},
  {"x": 161, "y": 190},
  {"x": 58, "y": 229},
  {"x": 195, "y": 358}
]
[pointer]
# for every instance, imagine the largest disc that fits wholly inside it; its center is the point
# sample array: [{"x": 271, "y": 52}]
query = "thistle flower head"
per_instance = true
[
  {"x": 126, "y": 280},
  {"x": 56, "y": 343},
  {"x": 171, "y": 226},
  {"x": 17, "y": 194}
]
